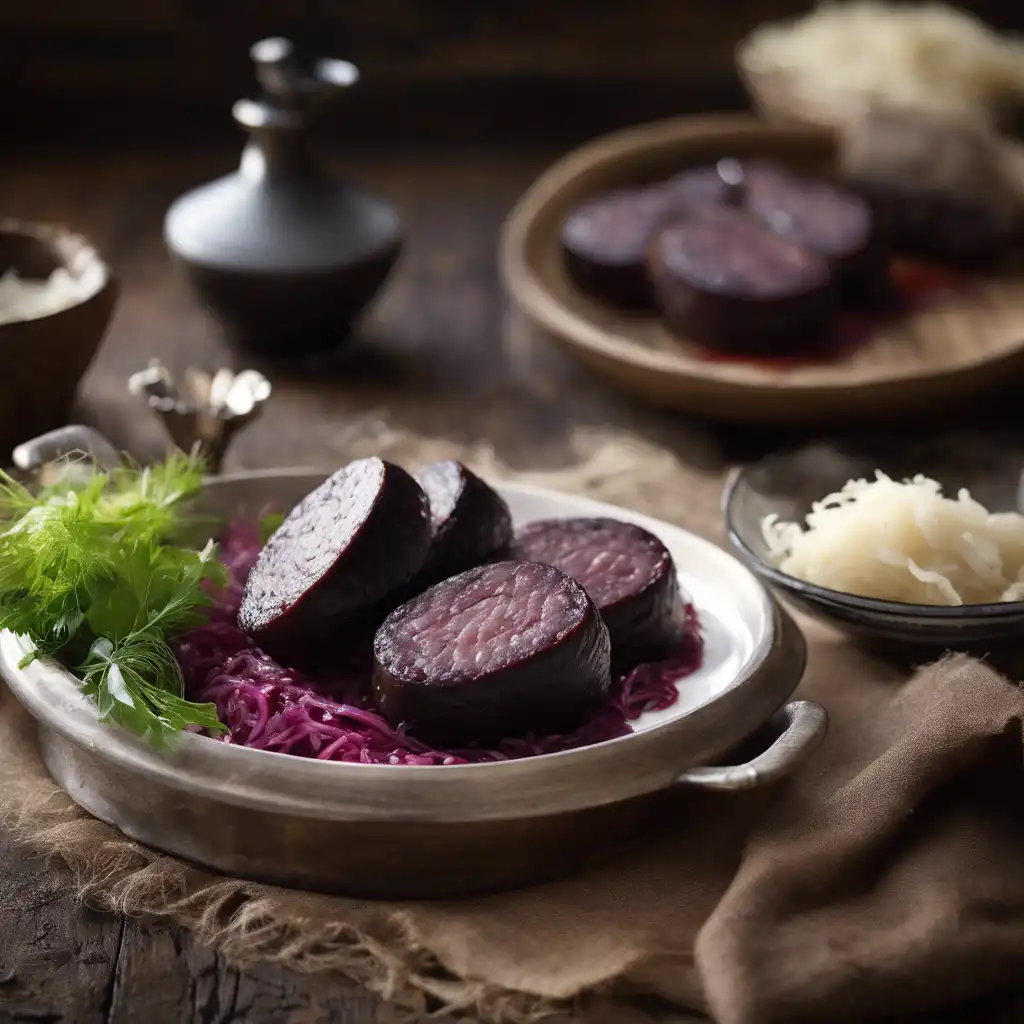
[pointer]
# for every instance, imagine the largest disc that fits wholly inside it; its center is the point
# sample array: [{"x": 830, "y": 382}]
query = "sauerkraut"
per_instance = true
[
  {"x": 903, "y": 541},
  {"x": 853, "y": 55},
  {"x": 29, "y": 299}
]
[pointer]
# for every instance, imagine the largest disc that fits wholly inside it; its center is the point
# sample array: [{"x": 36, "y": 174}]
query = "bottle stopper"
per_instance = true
[{"x": 291, "y": 90}]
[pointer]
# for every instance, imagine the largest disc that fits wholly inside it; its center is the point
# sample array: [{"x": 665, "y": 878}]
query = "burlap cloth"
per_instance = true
[{"x": 886, "y": 878}]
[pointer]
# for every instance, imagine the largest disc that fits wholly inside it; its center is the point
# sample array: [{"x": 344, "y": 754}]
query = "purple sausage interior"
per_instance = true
[
  {"x": 832, "y": 221},
  {"x": 730, "y": 284},
  {"x": 629, "y": 575},
  {"x": 337, "y": 564},
  {"x": 829, "y": 220},
  {"x": 604, "y": 242},
  {"x": 724, "y": 253},
  {"x": 505, "y": 649}
]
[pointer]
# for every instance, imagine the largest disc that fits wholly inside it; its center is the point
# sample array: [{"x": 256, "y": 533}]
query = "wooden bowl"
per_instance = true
[
  {"x": 946, "y": 351},
  {"x": 44, "y": 359}
]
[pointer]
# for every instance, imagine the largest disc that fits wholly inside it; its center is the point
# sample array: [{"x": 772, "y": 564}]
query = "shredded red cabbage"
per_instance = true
[{"x": 268, "y": 707}]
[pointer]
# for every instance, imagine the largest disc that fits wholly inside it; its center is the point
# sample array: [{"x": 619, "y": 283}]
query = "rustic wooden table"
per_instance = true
[{"x": 440, "y": 353}]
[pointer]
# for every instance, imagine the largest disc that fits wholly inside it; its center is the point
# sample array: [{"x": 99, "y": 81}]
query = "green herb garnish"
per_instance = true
[
  {"x": 89, "y": 572},
  {"x": 269, "y": 522}
]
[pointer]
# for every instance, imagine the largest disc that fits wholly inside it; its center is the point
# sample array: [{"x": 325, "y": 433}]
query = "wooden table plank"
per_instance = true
[{"x": 57, "y": 959}]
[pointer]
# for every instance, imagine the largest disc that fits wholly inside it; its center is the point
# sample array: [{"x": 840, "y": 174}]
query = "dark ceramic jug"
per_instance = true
[{"x": 284, "y": 253}]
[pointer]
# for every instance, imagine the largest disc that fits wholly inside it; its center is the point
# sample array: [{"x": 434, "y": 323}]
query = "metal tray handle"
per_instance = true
[
  {"x": 804, "y": 725},
  {"x": 33, "y": 455}
]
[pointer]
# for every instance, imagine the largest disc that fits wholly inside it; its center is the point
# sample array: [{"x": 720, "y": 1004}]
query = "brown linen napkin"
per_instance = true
[
  {"x": 889, "y": 877},
  {"x": 886, "y": 878}
]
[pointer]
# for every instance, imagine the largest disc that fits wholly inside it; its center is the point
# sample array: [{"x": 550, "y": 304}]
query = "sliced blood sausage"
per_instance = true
[
  {"x": 336, "y": 565},
  {"x": 835, "y": 223},
  {"x": 703, "y": 186},
  {"x": 472, "y": 524},
  {"x": 628, "y": 573},
  {"x": 732, "y": 285},
  {"x": 604, "y": 242},
  {"x": 505, "y": 649},
  {"x": 832, "y": 221},
  {"x": 963, "y": 232}
]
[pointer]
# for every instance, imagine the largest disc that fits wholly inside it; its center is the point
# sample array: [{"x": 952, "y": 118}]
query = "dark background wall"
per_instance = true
[{"x": 432, "y": 68}]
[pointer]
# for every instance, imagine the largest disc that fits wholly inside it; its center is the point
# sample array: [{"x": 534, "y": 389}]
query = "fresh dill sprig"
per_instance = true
[
  {"x": 89, "y": 572},
  {"x": 269, "y": 522}
]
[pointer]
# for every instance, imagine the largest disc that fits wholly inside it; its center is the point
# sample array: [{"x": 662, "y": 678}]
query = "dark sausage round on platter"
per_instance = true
[
  {"x": 472, "y": 524},
  {"x": 705, "y": 186},
  {"x": 506, "y": 649},
  {"x": 729, "y": 284},
  {"x": 964, "y": 233},
  {"x": 337, "y": 564},
  {"x": 831, "y": 221},
  {"x": 629, "y": 575},
  {"x": 604, "y": 242}
]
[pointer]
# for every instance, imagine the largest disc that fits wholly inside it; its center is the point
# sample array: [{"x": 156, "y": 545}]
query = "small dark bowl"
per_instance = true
[
  {"x": 787, "y": 484},
  {"x": 44, "y": 359}
]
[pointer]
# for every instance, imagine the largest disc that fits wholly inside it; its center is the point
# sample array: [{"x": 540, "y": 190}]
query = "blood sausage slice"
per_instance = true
[
  {"x": 831, "y": 221},
  {"x": 729, "y": 284},
  {"x": 628, "y": 573},
  {"x": 502, "y": 650},
  {"x": 604, "y": 242},
  {"x": 337, "y": 564}
]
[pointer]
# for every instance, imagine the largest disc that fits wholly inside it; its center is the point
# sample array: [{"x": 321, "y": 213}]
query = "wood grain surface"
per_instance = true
[
  {"x": 109, "y": 43},
  {"x": 439, "y": 353},
  {"x": 457, "y": 69}
]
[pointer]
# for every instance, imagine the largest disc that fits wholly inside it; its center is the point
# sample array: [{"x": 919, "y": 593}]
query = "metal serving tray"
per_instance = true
[{"x": 398, "y": 831}]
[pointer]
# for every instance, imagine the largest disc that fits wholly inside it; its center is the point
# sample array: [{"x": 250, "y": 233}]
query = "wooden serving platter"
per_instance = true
[{"x": 960, "y": 341}]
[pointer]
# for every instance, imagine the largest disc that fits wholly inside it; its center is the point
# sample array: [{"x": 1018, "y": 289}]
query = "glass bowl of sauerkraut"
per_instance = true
[{"x": 918, "y": 542}]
